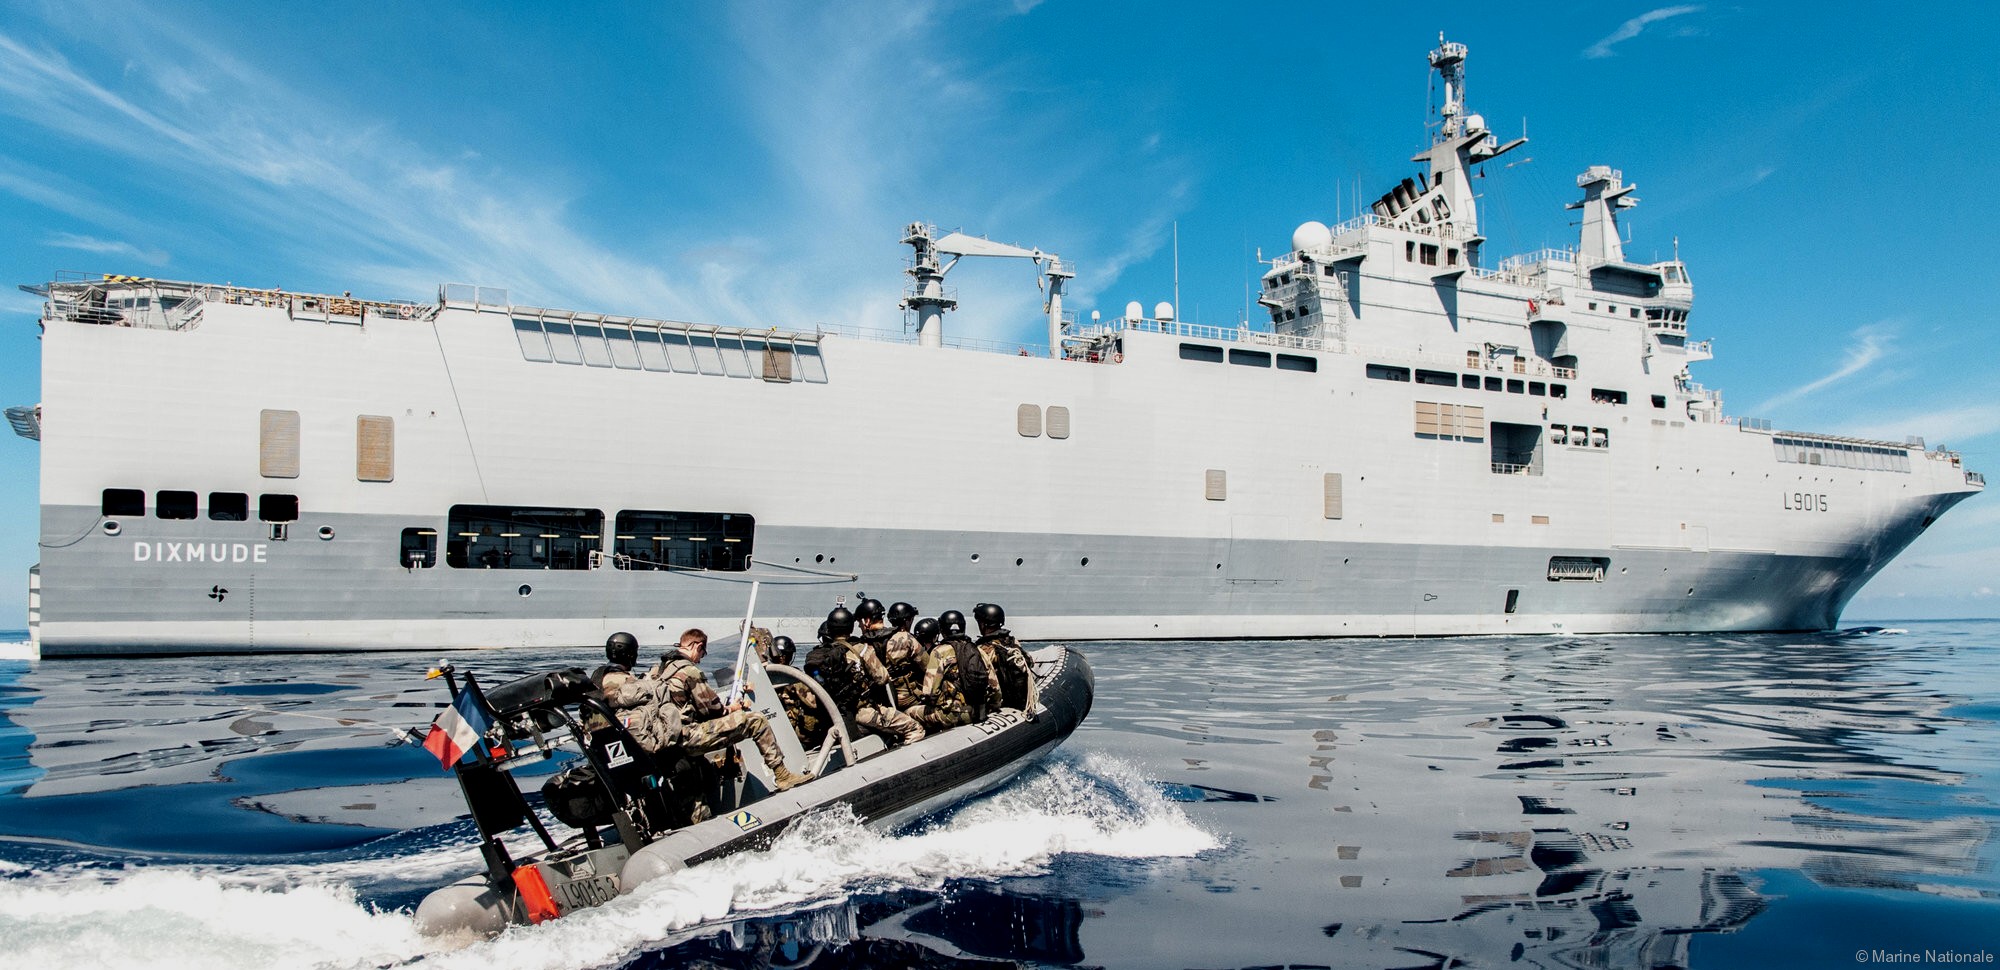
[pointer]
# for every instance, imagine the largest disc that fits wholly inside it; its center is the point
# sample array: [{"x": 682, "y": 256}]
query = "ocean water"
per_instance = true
[{"x": 1632, "y": 801}]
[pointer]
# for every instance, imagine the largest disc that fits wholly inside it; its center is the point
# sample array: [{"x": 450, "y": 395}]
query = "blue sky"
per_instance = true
[{"x": 755, "y": 163}]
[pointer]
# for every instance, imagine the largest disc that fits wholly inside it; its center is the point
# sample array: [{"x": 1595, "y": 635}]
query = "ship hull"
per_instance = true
[{"x": 1184, "y": 499}]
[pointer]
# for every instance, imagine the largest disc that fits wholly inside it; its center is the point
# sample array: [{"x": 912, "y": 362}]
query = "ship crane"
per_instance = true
[{"x": 928, "y": 297}]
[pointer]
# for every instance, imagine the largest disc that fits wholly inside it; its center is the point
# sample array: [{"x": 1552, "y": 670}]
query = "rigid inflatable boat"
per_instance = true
[{"x": 639, "y": 817}]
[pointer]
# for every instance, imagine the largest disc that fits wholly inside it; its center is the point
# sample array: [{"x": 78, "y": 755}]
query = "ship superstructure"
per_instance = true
[{"x": 1419, "y": 443}]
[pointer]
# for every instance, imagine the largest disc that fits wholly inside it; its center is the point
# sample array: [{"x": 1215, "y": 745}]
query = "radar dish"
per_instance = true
[
  {"x": 1163, "y": 311},
  {"x": 1133, "y": 311},
  {"x": 1311, "y": 235}
]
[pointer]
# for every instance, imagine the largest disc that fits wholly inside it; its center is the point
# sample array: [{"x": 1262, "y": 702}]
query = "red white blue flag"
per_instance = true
[{"x": 455, "y": 731}]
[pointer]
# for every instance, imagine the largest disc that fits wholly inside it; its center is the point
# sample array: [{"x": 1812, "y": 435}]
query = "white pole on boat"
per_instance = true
[{"x": 743, "y": 646}]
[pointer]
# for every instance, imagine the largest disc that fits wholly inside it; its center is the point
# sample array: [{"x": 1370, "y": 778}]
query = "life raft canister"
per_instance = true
[{"x": 535, "y": 896}]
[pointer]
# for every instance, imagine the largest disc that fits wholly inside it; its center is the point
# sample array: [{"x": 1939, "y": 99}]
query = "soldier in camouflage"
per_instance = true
[
  {"x": 904, "y": 656},
  {"x": 854, "y": 676},
  {"x": 710, "y": 726},
  {"x": 641, "y": 704},
  {"x": 1004, "y": 654},
  {"x": 976, "y": 681},
  {"x": 940, "y": 704}
]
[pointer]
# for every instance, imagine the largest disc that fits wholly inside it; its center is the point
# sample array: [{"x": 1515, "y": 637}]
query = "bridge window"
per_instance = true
[
  {"x": 1436, "y": 377},
  {"x": 1384, "y": 372},
  {"x": 1250, "y": 358},
  {"x": 1293, "y": 362},
  {"x": 519, "y": 537}
]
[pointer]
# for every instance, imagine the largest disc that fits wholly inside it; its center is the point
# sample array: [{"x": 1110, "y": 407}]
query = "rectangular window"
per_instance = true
[
  {"x": 534, "y": 346},
  {"x": 1659, "y": 400},
  {"x": 590, "y": 339},
  {"x": 735, "y": 361},
  {"x": 1201, "y": 352},
  {"x": 1495, "y": 384},
  {"x": 652, "y": 353},
  {"x": 1537, "y": 389},
  {"x": 649, "y": 540},
  {"x": 278, "y": 444},
  {"x": 811, "y": 367},
  {"x": 228, "y": 506},
  {"x": 1410, "y": 251},
  {"x": 1384, "y": 372},
  {"x": 1469, "y": 381},
  {"x": 1306, "y": 365},
  {"x": 277, "y": 508},
  {"x": 124, "y": 502},
  {"x": 420, "y": 548},
  {"x": 1429, "y": 252},
  {"x": 374, "y": 448},
  {"x": 707, "y": 356},
  {"x": 1513, "y": 599},
  {"x": 679, "y": 354},
  {"x": 562, "y": 342},
  {"x": 174, "y": 504},
  {"x": 1559, "y": 390},
  {"x": 521, "y": 537},
  {"x": 1600, "y": 395},
  {"x": 1436, "y": 377},
  {"x": 624, "y": 354},
  {"x": 1516, "y": 387},
  {"x": 1250, "y": 358}
]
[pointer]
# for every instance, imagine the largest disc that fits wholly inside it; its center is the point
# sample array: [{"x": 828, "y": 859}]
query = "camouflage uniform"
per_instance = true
[
  {"x": 1009, "y": 662},
  {"x": 904, "y": 657},
  {"x": 803, "y": 709},
  {"x": 869, "y": 713},
  {"x": 982, "y": 694},
  {"x": 940, "y": 704},
  {"x": 708, "y": 727},
  {"x": 643, "y": 708}
]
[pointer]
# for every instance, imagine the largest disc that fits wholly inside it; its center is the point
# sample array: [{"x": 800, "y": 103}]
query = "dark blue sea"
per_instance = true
[{"x": 1625, "y": 801}]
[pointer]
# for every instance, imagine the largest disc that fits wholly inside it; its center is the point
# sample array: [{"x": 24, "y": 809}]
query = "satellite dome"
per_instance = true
[
  {"x": 1163, "y": 311},
  {"x": 1133, "y": 311},
  {"x": 1311, "y": 235},
  {"x": 1475, "y": 123}
]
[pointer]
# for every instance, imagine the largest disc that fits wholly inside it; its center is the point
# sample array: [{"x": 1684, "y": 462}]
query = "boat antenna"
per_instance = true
[{"x": 1178, "y": 315}]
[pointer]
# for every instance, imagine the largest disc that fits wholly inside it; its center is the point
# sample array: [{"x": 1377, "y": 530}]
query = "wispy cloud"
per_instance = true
[
  {"x": 106, "y": 247},
  {"x": 1957, "y": 423},
  {"x": 1870, "y": 344},
  {"x": 1632, "y": 28}
]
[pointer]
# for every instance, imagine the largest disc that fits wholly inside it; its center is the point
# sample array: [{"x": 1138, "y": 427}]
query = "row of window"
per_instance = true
[
  {"x": 1473, "y": 382},
  {"x": 1579, "y": 435},
  {"x": 1210, "y": 354},
  {"x": 171, "y": 503},
  {"x": 669, "y": 349},
  {"x": 542, "y": 537},
  {"x": 1840, "y": 454}
]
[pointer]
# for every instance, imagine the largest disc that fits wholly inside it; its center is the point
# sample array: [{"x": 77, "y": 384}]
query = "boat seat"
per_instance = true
[{"x": 868, "y": 746}]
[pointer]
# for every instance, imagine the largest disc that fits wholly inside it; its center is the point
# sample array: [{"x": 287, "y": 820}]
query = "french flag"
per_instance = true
[{"x": 457, "y": 729}]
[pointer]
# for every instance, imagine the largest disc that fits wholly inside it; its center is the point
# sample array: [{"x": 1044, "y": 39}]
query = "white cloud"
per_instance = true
[
  {"x": 1870, "y": 344},
  {"x": 106, "y": 247},
  {"x": 1631, "y": 28}
]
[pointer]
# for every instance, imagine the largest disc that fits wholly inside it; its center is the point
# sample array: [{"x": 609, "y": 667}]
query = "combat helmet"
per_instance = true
[
  {"x": 990, "y": 616},
  {"x": 951, "y": 623},
  {"x": 622, "y": 649},
  {"x": 840, "y": 623},
  {"x": 868, "y": 610},
  {"x": 926, "y": 631},
  {"x": 900, "y": 615}
]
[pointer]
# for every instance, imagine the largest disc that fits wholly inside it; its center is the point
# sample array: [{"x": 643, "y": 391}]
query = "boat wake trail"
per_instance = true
[{"x": 86, "y": 915}]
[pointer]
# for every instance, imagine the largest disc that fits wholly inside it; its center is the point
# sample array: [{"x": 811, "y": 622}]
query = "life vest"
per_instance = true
[{"x": 1010, "y": 662}]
